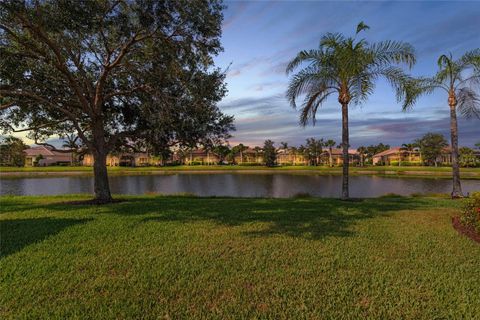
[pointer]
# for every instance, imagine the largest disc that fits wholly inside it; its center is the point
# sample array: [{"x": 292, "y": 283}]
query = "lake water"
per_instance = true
[{"x": 238, "y": 185}]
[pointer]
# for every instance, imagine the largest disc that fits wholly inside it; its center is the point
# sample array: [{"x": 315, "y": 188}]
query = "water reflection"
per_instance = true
[{"x": 239, "y": 185}]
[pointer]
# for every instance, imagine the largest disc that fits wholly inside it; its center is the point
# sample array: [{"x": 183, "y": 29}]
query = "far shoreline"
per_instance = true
[{"x": 54, "y": 171}]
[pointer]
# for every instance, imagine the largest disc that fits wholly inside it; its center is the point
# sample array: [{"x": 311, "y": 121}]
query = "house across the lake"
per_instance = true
[
  {"x": 414, "y": 157},
  {"x": 139, "y": 159},
  {"x": 44, "y": 156},
  {"x": 396, "y": 154}
]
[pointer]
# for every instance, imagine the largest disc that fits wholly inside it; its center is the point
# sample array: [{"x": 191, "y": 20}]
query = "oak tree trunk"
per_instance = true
[
  {"x": 457, "y": 188},
  {"x": 101, "y": 185},
  {"x": 345, "y": 144}
]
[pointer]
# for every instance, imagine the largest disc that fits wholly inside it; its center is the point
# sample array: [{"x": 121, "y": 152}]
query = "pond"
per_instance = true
[{"x": 276, "y": 185}]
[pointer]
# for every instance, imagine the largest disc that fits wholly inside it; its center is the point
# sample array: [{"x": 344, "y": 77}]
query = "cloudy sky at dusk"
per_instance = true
[{"x": 260, "y": 37}]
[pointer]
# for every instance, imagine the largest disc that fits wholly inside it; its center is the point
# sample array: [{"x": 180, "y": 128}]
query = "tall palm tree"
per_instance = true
[
  {"x": 330, "y": 144},
  {"x": 460, "y": 79},
  {"x": 348, "y": 68}
]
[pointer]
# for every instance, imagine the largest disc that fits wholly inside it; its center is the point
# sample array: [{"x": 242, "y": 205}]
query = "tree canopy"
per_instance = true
[{"x": 114, "y": 72}]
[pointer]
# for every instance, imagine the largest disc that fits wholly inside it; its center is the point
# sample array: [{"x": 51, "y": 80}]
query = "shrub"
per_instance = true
[
  {"x": 471, "y": 212},
  {"x": 250, "y": 164},
  {"x": 411, "y": 163}
]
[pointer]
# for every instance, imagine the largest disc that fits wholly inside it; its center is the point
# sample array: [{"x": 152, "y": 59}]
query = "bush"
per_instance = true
[
  {"x": 471, "y": 212},
  {"x": 250, "y": 164},
  {"x": 411, "y": 163}
]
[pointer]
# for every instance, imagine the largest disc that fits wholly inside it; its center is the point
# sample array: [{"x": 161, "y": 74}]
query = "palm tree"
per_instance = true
[
  {"x": 361, "y": 151},
  {"x": 330, "y": 144},
  {"x": 257, "y": 150},
  {"x": 409, "y": 148},
  {"x": 71, "y": 142},
  {"x": 460, "y": 79},
  {"x": 293, "y": 151},
  {"x": 348, "y": 68}
]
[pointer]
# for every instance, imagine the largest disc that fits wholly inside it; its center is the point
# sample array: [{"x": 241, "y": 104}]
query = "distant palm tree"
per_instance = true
[
  {"x": 330, "y": 144},
  {"x": 257, "y": 150},
  {"x": 70, "y": 141},
  {"x": 458, "y": 78},
  {"x": 361, "y": 151},
  {"x": 348, "y": 68},
  {"x": 294, "y": 151},
  {"x": 409, "y": 148}
]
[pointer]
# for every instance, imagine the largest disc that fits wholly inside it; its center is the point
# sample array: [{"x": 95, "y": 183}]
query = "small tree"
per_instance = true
[
  {"x": 362, "y": 151},
  {"x": 330, "y": 144},
  {"x": 431, "y": 145},
  {"x": 12, "y": 152},
  {"x": 313, "y": 150},
  {"x": 467, "y": 157},
  {"x": 269, "y": 153},
  {"x": 221, "y": 151}
]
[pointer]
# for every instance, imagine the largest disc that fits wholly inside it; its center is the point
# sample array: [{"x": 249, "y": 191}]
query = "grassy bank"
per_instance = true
[
  {"x": 383, "y": 170},
  {"x": 184, "y": 257}
]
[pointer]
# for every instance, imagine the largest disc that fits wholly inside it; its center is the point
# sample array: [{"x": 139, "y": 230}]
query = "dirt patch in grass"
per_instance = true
[{"x": 465, "y": 230}]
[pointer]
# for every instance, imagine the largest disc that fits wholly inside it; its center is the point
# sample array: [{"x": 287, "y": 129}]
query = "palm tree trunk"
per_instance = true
[
  {"x": 330, "y": 158},
  {"x": 345, "y": 144},
  {"x": 457, "y": 188}
]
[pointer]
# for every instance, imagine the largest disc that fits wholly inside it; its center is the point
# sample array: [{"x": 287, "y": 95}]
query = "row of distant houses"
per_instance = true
[{"x": 44, "y": 156}]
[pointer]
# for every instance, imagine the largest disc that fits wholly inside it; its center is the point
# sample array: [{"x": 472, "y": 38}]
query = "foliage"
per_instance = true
[
  {"x": 467, "y": 157},
  {"x": 221, "y": 151},
  {"x": 373, "y": 150},
  {"x": 114, "y": 72},
  {"x": 12, "y": 152},
  {"x": 250, "y": 164},
  {"x": 312, "y": 151},
  {"x": 269, "y": 153},
  {"x": 459, "y": 79},
  {"x": 347, "y": 67},
  {"x": 471, "y": 212},
  {"x": 431, "y": 146}
]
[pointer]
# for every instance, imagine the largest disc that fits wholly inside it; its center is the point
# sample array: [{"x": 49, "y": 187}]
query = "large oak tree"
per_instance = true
[{"x": 113, "y": 72}]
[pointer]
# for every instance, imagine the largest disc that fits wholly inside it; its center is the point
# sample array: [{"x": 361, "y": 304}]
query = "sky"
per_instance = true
[{"x": 260, "y": 37}]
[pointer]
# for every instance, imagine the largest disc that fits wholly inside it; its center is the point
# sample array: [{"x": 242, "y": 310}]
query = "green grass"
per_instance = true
[
  {"x": 384, "y": 170},
  {"x": 224, "y": 258}
]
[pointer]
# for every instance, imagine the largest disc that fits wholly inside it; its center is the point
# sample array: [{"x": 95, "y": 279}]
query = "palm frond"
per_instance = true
[
  {"x": 468, "y": 102},
  {"x": 331, "y": 41},
  {"x": 308, "y": 80},
  {"x": 311, "y": 104},
  {"x": 362, "y": 26},
  {"x": 302, "y": 57},
  {"x": 388, "y": 52},
  {"x": 471, "y": 59}
]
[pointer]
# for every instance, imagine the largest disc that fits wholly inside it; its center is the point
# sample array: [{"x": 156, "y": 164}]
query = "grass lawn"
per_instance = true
[
  {"x": 472, "y": 173},
  {"x": 222, "y": 258}
]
